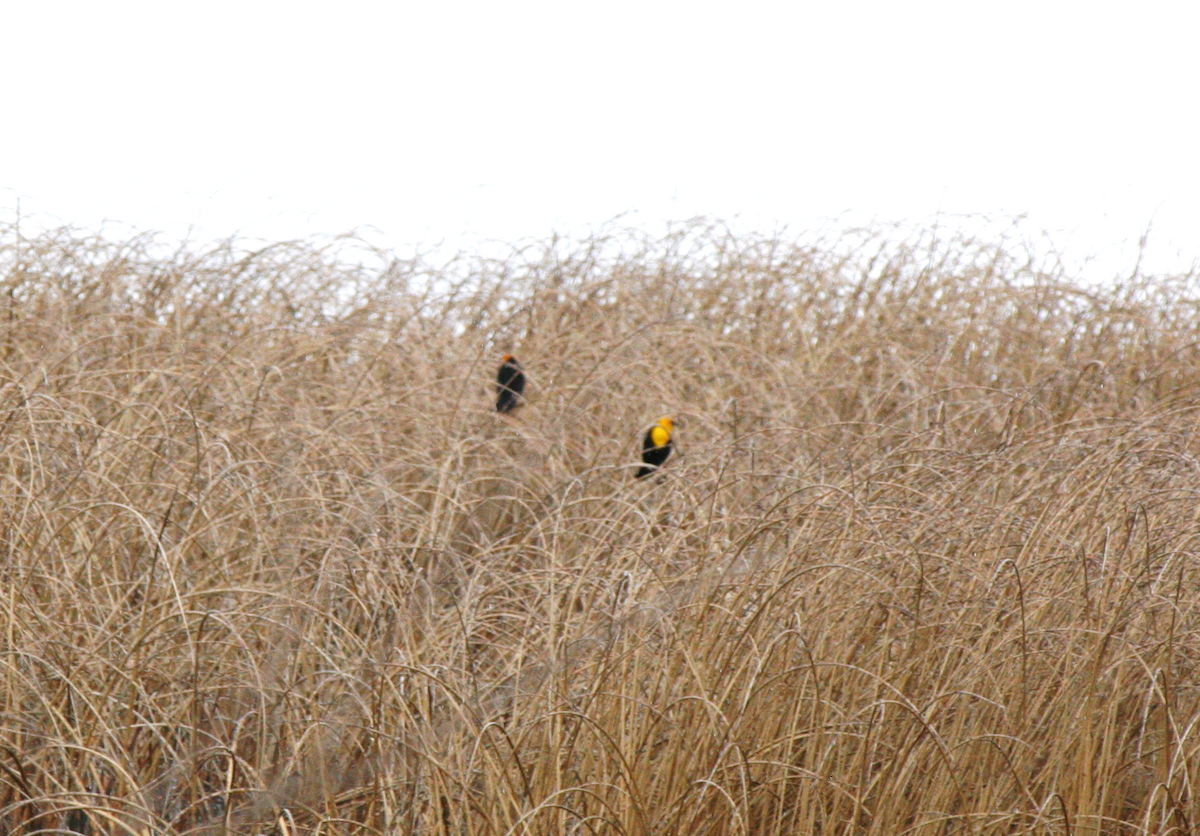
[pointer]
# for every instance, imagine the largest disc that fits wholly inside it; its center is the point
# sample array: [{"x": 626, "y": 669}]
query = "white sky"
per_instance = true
[{"x": 460, "y": 121}]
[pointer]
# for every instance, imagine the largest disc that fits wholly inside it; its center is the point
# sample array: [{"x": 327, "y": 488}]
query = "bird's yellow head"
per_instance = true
[
  {"x": 661, "y": 433},
  {"x": 508, "y": 358}
]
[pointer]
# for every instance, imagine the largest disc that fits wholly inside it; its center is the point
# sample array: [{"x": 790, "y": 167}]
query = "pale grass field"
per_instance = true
[{"x": 927, "y": 560}]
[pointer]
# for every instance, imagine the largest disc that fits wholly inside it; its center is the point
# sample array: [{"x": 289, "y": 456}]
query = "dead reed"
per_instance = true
[{"x": 926, "y": 561}]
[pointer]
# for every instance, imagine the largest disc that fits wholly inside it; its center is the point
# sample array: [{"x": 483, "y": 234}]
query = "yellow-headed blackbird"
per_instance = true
[
  {"x": 510, "y": 385},
  {"x": 656, "y": 446}
]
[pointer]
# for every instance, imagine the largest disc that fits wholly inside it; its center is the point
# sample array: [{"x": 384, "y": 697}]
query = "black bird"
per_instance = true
[
  {"x": 656, "y": 446},
  {"x": 510, "y": 385}
]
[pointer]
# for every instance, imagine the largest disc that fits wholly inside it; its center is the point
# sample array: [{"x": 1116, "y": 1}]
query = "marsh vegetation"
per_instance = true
[{"x": 925, "y": 560}]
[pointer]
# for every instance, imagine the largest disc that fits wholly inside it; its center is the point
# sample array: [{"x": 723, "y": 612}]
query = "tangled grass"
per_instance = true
[{"x": 925, "y": 563}]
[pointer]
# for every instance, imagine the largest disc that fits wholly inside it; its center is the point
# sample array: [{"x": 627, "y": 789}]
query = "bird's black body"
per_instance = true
[
  {"x": 654, "y": 453},
  {"x": 510, "y": 385}
]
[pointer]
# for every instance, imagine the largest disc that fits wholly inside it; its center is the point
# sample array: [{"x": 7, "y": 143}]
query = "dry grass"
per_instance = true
[{"x": 926, "y": 562}]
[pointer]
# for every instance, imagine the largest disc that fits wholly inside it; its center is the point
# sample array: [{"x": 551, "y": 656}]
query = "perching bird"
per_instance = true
[
  {"x": 656, "y": 446},
  {"x": 510, "y": 385}
]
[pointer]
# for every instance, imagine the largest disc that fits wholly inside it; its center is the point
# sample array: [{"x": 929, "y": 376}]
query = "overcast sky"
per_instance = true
[{"x": 464, "y": 121}]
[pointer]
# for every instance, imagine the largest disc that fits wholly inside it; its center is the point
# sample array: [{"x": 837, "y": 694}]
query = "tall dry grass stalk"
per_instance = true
[{"x": 926, "y": 562}]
